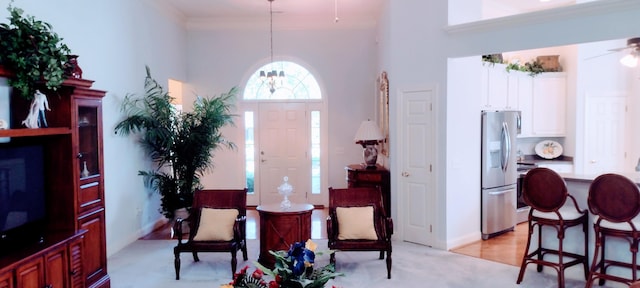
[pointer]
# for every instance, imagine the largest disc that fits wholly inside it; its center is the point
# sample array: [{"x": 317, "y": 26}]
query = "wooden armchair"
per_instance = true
[
  {"x": 357, "y": 222},
  {"x": 217, "y": 224}
]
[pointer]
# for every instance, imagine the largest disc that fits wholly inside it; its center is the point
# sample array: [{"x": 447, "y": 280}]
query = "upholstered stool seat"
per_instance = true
[
  {"x": 623, "y": 226},
  {"x": 546, "y": 192},
  {"x": 568, "y": 212},
  {"x": 615, "y": 202}
]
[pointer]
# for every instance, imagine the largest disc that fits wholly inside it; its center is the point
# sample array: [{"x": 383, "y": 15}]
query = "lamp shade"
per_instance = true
[
  {"x": 630, "y": 60},
  {"x": 368, "y": 131}
]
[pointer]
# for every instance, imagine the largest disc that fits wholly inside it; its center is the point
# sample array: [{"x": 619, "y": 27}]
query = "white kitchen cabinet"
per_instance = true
[
  {"x": 499, "y": 90},
  {"x": 525, "y": 104},
  {"x": 541, "y": 98},
  {"x": 549, "y": 105}
]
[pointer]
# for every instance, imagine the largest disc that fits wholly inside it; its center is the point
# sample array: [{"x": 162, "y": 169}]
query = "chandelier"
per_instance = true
[{"x": 273, "y": 78}]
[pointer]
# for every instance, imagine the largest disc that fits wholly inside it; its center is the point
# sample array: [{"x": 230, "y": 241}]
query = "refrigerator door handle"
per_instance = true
[
  {"x": 500, "y": 192},
  {"x": 506, "y": 146}
]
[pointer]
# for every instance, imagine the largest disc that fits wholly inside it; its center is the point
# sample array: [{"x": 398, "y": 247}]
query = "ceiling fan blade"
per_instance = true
[
  {"x": 622, "y": 48},
  {"x": 600, "y": 55}
]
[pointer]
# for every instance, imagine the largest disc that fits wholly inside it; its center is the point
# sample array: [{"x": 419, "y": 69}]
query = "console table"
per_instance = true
[
  {"x": 280, "y": 228},
  {"x": 359, "y": 175}
]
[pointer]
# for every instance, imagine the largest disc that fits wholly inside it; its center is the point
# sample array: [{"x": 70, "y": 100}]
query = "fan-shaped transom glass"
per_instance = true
[{"x": 298, "y": 83}]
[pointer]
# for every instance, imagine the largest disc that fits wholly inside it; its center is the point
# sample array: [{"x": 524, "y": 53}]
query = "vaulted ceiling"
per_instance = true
[
  {"x": 286, "y": 13},
  {"x": 310, "y": 13}
]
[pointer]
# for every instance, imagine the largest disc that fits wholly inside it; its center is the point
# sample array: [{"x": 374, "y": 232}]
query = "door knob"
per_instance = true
[
  {"x": 593, "y": 161},
  {"x": 405, "y": 174},
  {"x": 262, "y": 160}
]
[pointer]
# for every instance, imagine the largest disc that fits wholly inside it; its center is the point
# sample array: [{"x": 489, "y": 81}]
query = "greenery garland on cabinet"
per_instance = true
[{"x": 533, "y": 68}]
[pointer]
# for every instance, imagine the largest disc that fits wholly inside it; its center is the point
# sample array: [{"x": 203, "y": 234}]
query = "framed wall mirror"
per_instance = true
[{"x": 383, "y": 111}]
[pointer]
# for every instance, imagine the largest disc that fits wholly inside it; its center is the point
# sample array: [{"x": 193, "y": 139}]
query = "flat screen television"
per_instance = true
[{"x": 22, "y": 195}]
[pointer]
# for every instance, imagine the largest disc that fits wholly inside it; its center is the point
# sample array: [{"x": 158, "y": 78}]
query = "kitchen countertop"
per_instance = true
[
  {"x": 535, "y": 159},
  {"x": 588, "y": 178}
]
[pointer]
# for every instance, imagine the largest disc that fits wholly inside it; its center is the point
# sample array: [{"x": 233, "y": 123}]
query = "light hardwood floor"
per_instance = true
[{"x": 506, "y": 248}]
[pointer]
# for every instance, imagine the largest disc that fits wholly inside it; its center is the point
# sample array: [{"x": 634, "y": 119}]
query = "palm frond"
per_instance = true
[{"x": 182, "y": 142}]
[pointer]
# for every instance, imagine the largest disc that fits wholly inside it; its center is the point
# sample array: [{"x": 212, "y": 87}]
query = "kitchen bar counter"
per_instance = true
[
  {"x": 635, "y": 177},
  {"x": 578, "y": 186}
]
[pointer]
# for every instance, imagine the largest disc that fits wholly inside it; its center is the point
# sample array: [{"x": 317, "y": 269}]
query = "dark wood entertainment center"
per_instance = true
[{"x": 71, "y": 251}]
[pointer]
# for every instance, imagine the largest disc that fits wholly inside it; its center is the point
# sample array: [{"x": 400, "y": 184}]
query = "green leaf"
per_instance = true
[
  {"x": 179, "y": 142},
  {"x": 33, "y": 52}
]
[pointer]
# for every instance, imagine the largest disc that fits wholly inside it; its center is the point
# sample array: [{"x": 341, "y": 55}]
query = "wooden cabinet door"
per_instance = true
[
  {"x": 30, "y": 274},
  {"x": 495, "y": 87},
  {"x": 56, "y": 269},
  {"x": 525, "y": 105},
  {"x": 75, "y": 263},
  {"x": 89, "y": 154},
  {"x": 549, "y": 104},
  {"x": 498, "y": 87},
  {"x": 6, "y": 279},
  {"x": 94, "y": 252}
]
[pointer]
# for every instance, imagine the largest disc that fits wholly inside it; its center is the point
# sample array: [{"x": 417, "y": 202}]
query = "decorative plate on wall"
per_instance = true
[{"x": 548, "y": 149}]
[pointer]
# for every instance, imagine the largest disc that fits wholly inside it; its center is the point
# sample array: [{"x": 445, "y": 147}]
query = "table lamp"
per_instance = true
[{"x": 368, "y": 136}]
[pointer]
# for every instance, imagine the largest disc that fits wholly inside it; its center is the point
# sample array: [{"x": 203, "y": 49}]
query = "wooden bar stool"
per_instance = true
[
  {"x": 546, "y": 192},
  {"x": 615, "y": 202}
]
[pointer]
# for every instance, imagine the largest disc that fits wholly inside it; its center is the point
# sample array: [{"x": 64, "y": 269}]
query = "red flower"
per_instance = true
[
  {"x": 257, "y": 274},
  {"x": 244, "y": 270},
  {"x": 273, "y": 284}
]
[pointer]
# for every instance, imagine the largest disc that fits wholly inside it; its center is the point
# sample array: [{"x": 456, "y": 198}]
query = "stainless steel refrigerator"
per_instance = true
[{"x": 499, "y": 175}]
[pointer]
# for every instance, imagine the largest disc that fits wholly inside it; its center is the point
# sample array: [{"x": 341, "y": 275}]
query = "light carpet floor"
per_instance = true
[{"x": 149, "y": 263}]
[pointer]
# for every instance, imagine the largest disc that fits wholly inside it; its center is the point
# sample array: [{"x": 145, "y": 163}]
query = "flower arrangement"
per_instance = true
[{"x": 292, "y": 269}]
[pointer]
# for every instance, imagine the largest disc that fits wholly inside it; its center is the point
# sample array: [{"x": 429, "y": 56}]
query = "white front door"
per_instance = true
[
  {"x": 605, "y": 134},
  {"x": 416, "y": 178},
  {"x": 283, "y": 145}
]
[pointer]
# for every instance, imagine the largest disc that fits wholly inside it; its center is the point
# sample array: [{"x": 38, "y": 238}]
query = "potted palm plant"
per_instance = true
[{"x": 181, "y": 143}]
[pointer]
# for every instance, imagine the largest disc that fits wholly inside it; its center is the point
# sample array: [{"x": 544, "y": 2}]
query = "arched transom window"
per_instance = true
[{"x": 297, "y": 83}]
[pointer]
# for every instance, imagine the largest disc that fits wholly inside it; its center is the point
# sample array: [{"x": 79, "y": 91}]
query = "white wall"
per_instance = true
[
  {"x": 422, "y": 43},
  {"x": 571, "y": 25},
  {"x": 343, "y": 62},
  {"x": 115, "y": 40}
]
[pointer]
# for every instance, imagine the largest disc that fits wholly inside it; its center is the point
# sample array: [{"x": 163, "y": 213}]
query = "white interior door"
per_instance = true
[
  {"x": 605, "y": 134},
  {"x": 283, "y": 145},
  {"x": 417, "y": 148}
]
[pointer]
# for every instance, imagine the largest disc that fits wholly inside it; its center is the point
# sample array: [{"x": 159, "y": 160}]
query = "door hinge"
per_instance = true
[
  {"x": 430, "y": 168},
  {"x": 430, "y": 229},
  {"x": 430, "y": 106}
]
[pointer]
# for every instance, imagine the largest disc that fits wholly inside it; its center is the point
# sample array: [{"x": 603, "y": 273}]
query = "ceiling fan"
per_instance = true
[{"x": 631, "y": 59}]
